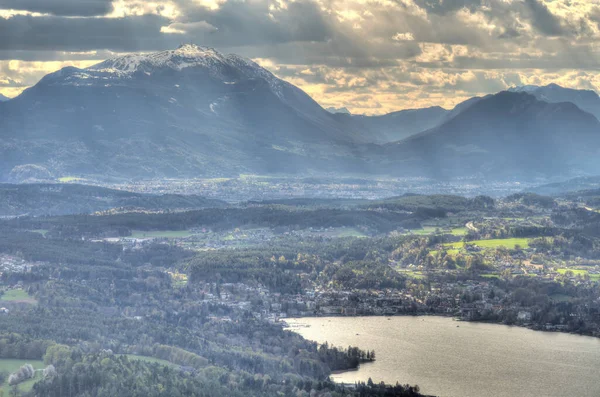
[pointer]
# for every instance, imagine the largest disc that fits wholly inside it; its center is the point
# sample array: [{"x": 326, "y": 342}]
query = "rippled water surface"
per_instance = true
[{"x": 458, "y": 359}]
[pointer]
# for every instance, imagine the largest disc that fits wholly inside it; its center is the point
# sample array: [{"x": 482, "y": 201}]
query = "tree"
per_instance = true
[{"x": 49, "y": 371}]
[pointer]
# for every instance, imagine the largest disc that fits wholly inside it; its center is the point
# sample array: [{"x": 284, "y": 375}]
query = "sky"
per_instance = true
[{"x": 371, "y": 56}]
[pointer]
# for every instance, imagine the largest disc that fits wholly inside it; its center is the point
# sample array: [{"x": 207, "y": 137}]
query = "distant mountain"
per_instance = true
[
  {"x": 342, "y": 110},
  {"x": 194, "y": 111},
  {"x": 507, "y": 135},
  {"x": 4, "y": 98},
  {"x": 586, "y": 100},
  {"x": 186, "y": 112},
  {"x": 396, "y": 126},
  {"x": 58, "y": 199},
  {"x": 461, "y": 107},
  {"x": 571, "y": 186}
]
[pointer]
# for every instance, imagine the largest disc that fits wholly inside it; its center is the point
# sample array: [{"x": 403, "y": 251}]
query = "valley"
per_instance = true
[
  {"x": 213, "y": 288},
  {"x": 299, "y": 198}
]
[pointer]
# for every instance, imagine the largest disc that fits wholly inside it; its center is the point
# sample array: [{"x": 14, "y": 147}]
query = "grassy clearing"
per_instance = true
[
  {"x": 17, "y": 295},
  {"x": 161, "y": 234},
  {"x": 67, "y": 179},
  {"x": 179, "y": 279},
  {"x": 429, "y": 230},
  {"x": 579, "y": 272},
  {"x": 451, "y": 252},
  {"x": 412, "y": 274},
  {"x": 348, "y": 232},
  {"x": 490, "y": 275},
  {"x": 575, "y": 271},
  {"x": 10, "y": 365},
  {"x": 459, "y": 231}
]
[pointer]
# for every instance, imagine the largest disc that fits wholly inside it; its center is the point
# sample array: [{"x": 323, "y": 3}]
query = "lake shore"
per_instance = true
[
  {"x": 533, "y": 327},
  {"x": 474, "y": 359}
]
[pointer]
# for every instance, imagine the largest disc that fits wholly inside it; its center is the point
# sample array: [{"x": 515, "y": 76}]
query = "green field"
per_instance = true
[
  {"x": 412, "y": 274},
  {"x": 10, "y": 365},
  {"x": 347, "y": 232},
  {"x": 580, "y": 272},
  {"x": 427, "y": 230},
  {"x": 67, "y": 179},
  {"x": 161, "y": 234},
  {"x": 450, "y": 251},
  {"x": 490, "y": 276},
  {"x": 17, "y": 295},
  {"x": 459, "y": 231}
]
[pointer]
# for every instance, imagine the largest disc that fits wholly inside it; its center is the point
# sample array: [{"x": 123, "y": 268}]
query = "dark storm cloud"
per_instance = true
[
  {"x": 543, "y": 20},
  {"x": 251, "y": 23},
  {"x": 47, "y": 56},
  {"x": 86, "y": 8},
  {"x": 443, "y": 7},
  {"x": 49, "y": 33}
]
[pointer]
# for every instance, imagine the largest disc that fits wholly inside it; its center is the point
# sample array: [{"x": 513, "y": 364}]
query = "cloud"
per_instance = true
[
  {"x": 543, "y": 20},
  {"x": 407, "y": 36},
  {"x": 258, "y": 22},
  {"x": 61, "y": 7},
  {"x": 444, "y": 7},
  {"x": 189, "y": 28},
  {"x": 50, "y": 33},
  {"x": 368, "y": 55}
]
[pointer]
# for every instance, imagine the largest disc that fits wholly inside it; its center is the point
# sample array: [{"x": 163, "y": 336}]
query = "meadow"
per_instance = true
[
  {"x": 12, "y": 365},
  {"x": 428, "y": 230},
  {"x": 17, "y": 295}
]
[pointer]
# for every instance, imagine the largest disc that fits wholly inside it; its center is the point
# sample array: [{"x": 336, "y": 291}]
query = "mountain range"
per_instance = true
[
  {"x": 63, "y": 199},
  {"x": 194, "y": 111},
  {"x": 3, "y": 98},
  {"x": 510, "y": 134}
]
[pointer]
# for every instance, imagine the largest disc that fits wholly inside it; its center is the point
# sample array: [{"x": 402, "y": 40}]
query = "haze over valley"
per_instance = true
[
  {"x": 195, "y": 112},
  {"x": 299, "y": 198}
]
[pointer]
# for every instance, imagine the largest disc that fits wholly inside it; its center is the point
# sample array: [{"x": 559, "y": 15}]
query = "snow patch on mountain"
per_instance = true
[
  {"x": 524, "y": 88},
  {"x": 230, "y": 69}
]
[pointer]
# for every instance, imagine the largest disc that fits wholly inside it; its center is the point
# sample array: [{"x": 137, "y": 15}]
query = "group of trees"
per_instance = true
[
  {"x": 343, "y": 359},
  {"x": 24, "y": 373}
]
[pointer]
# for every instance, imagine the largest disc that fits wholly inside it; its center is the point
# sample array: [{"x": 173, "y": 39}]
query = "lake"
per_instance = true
[{"x": 449, "y": 358}]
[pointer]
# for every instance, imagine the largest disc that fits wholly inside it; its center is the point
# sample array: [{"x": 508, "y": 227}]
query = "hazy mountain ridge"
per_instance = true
[
  {"x": 586, "y": 100},
  {"x": 63, "y": 199},
  {"x": 196, "y": 112},
  {"x": 505, "y": 135},
  {"x": 399, "y": 125},
  {"x": 342, "y": 110},
  {"x": 185, "y": 112}
]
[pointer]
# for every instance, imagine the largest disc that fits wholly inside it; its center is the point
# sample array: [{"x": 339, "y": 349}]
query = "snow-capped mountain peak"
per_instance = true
[
  {"x": 229, "y": 69},
  {"x": 524, "y": 88},
  {"x": 188, "y": 55}
]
